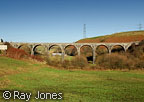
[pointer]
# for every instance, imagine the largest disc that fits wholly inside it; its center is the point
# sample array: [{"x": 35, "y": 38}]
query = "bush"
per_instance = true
[
  {"x": 139, "y": 64},
  {"x": 53, "y": 61},
  {"x": 137, "y": 51},
  {"x": 38, "y": 58},
  {"x": 19, "y": 53},
  {"x": 114, "y": 61},
  {"x": 79, "y": 61},
  {"x": 48, "y": 61},
  {"x": 66, "y": 64},
  {"x": 141, "y": 43},
  {"x": 16, "y": 53}
]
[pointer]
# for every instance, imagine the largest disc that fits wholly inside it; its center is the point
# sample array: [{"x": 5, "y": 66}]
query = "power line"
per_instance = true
[
  {"x": 84, "y": 31},
  {"x": 140, "y": 26}
]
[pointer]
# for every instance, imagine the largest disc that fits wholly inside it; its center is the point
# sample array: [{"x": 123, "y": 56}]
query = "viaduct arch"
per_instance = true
[
  {"x": 78, "y": 46},
  {"x": 73, "y": 48},
  {"x": 102, "y": 46}
]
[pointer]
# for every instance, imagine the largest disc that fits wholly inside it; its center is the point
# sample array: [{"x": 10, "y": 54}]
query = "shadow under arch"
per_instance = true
[
  {"x": 117, "y": 48},
  {"x": 71, "y": 50},
  {"x": 55, "y": 49},
  {"x": 39, "y": 49},
  {"x": 131, "y": 48},
  {"x": 20, "y": 46},
  {"x": 87, "y": 51}
]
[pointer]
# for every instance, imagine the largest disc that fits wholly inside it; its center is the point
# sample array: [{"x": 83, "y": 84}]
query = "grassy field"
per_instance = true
[{"x": 76, "y": 85}]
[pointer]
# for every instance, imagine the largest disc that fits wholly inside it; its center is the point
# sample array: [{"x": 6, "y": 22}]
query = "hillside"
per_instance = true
[{"x": 116, "y": 37}]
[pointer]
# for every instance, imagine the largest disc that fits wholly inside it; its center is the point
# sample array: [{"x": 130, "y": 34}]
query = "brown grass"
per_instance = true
[{"x": 116, "y": 38}]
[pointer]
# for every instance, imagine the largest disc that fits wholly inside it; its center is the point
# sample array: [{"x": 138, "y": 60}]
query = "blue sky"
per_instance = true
[{"x": 62, "y": 20}]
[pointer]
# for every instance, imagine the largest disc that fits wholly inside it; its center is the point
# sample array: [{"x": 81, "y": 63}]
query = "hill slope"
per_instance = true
[{"x": 117, "y": 37}]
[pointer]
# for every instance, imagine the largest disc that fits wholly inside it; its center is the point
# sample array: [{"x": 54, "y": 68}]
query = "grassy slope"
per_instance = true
[
  {"x": 77, "y": 86},
  {"x": 117, "y": 37}
]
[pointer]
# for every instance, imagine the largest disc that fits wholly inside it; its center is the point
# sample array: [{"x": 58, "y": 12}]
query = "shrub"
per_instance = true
[
  {"x": 53, "y": 61},
  {"x": 16, "y": 53},
  {"x": 137, "y": 51},
  {"x": 139, "y": 64},
  {"x": 79, "y": 61},
  {"x": 66, "y": 64},
  {"x": 114, "y": 61},
  {"x": 48, "y": 61},
  {"x": 19, "y": 53},
  {"x": 38, "y": 58},
  {"x": 141, "y": 43}
]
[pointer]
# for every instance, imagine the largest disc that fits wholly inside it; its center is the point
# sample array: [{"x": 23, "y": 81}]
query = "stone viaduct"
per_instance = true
[{"x": 78, "y": 46}]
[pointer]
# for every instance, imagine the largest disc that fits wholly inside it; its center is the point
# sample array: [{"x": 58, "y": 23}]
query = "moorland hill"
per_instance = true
[{"x": 121, "y": 37}]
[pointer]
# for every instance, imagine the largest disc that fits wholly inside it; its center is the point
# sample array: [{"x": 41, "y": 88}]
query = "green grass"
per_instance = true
[
  {"x": 76, "y": 85},
  {"x": 69, "y": 57}
]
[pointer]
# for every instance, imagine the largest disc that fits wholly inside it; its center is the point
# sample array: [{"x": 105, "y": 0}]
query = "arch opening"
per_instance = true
[
  {"x": 55, "y": 50},
  {"x": 87, "y": 52},
  {"x": 71, "y": 50},
  {"x": 25, "y": 48},
  {"x": 101, "y": 49},
  {"x": 55, "y": 53},
  {"x": 131, "y": 48},
  {"x": 39, "y": 50},
  {"x": 118, "y": 49}
]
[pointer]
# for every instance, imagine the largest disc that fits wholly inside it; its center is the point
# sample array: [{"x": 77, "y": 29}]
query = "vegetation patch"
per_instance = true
[{"x": 116, "y": 38}]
